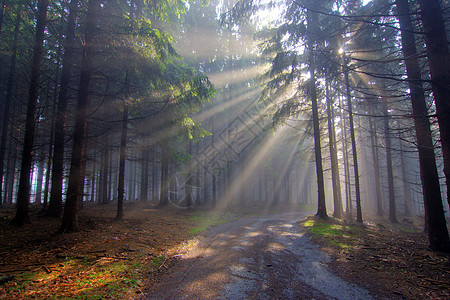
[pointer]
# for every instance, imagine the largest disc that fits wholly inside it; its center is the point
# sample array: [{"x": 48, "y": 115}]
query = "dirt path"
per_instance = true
[{"x": 259, "y": 258}]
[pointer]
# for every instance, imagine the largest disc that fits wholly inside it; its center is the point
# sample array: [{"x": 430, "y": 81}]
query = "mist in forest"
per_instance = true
[{"x": 328, "y": 106}]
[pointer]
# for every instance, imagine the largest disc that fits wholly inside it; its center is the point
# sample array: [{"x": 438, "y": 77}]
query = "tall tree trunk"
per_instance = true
[
  {"x": 388, "y": 144},
  {"x": 189, "y": 178},
  {"x": 435, "y": 218},
  {"x": 55, "y": 204},
  {"x": 439, "y": 62},
  {"x": 23, "y": 196},
  {"x": 9, "y": 89},
  {"x": 103, "y": 195},
  {"x": 94, "y": 176},
  {"x": 2, "y": 14},
  {"x": 12, "y": 163},
  {"x": 405, "y": 185},
  {"x": 335, "y": 178},
  {"x": 353, "y": 141},
  {"x": 101, "y": 177},
  {"x": 214, "y": 189},
  {"x": 122, "y": 154},
  {"x": 376, "y": 165},
  {"x": 70, "y": 216},
  {"x": 145, "y": 171},
  {"x": 321, "y": 209},
  {"x": 39, "y": 179},
  {"x": 154, "y": 175},
  {"x": 49, "y": 159},
  {"x": 348, "y": 187},
  {"x": 164, "y": 192},
  {"x": 110, "y": 191},
  {"x": 82, "y": 180}
]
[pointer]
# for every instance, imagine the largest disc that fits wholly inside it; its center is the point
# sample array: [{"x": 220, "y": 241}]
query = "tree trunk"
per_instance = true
[
  {"x": 2, "y": 14},
  {"x": 70, "y": 217},
  {"x": 122, "y": 154},
  {"x": 376, "y": 166},
  {"x": 348, "y": 188},
  {"x": 110, "y": 191},
  {"x": 353, "y": 141},
  {"x": 49, "y": 159},
  {"x": 9, "y": 89},
  {"x": 144, "y": 179},
  {"x": 189, "y": 181},
  {"x": 205, "y": 185},
  {"x": 12, "y": 164},
  {"x": 434, "y": 211},
  {"x": 388, "y": 144},
  {"x": 405, "y": 185},
  {"x": 23, "y": 196},
  {"x": 94, "y": 176},
  {"x": 39, "y": 180},
  {"x": 214, "y": 189},
  {"x": 439, "y": 62},
  {"x": 55, "y": 204},
  {"x": 103, "y": 191},
  {"x": 164, "y": 192},
  {"x": 335, "y": 178},
  {"x": 154, "y": 176},
  {"x": 321, "y": 209}
]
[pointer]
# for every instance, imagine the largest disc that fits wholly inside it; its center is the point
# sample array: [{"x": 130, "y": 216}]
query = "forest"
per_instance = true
[{"x": 227, "y": 108}]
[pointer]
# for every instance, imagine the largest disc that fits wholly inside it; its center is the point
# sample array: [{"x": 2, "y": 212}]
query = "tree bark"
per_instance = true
[
  {"x": 439, "y": 62},
  {"x": 39, "y": 179},
  {"x": 74, "y": 193},
  {"x": 434, "y": 211},
  {"x": 335, "y": 178},
  {"x": 94, "y": 176},
  {"x": 55, "y": 203},
  {"x": 9, "y": 89},
  {"x": 353, "y": 141},
  {"x": 144, "y": 175},
  {"x": 164, "y": 192},
  {"x": 23, "y": 196},
  {"x": 189, "y": 177},
  {"x": 388, "y": 144},
  {"x": 348, "y": 188},
  {"x": 376, "y": 166},
  {"x": 122, "y": 154},
  {"x": 405, "y": 185},
  {"x": 49, "y": 159},
  {"x": 2, "y": 15},
  {"x": 312, "y": 91},
  {"x": 154, "y": 175},
  {"x": 12, "y": 163}
]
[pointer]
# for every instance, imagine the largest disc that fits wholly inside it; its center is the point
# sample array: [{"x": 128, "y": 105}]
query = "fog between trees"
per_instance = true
[{"x": 339, "y": 105}]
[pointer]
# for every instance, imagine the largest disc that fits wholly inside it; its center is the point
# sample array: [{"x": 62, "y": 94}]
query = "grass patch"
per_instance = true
[
  {"x": 204, "y": 220},
  {"x": 332, "y": 233}
]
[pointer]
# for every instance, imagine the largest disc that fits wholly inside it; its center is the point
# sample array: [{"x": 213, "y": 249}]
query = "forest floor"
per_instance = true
[
  {"x": 119, "y": 260},
  {"x": 390, "y": 260},
  {"x": 105, "y": 259}
]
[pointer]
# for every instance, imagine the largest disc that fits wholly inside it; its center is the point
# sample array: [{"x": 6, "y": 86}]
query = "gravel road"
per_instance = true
[{"x": 255, "y": 258}]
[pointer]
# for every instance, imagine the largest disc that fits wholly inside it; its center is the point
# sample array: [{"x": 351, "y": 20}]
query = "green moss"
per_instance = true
[
  {"x": 203, "y": 221},
  {"x": 336, "y": 235}
]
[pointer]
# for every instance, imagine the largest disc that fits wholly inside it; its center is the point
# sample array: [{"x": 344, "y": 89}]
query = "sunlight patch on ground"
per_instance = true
[
  {"x": 273, "y": 247},
  {"x": 253, "y": 234}
]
